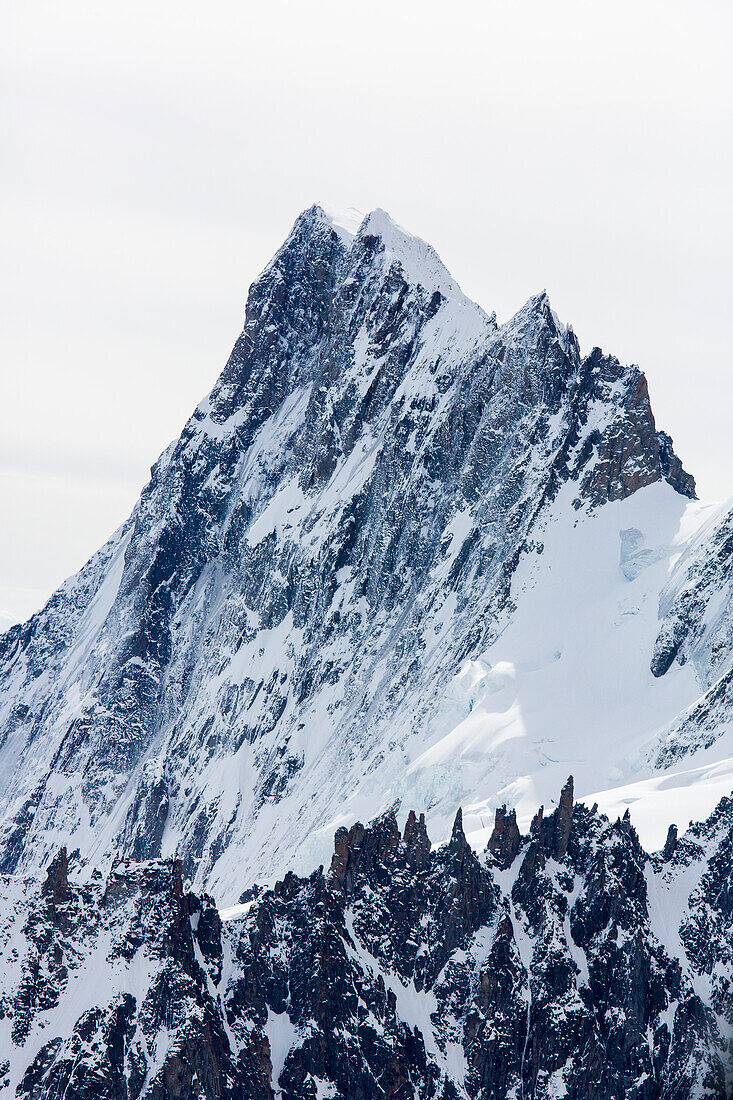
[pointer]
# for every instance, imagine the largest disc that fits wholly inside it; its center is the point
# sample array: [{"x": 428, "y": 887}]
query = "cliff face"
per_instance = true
[
  {"x": 574, "y": 965},
  {"x": 273, "y": 634}
]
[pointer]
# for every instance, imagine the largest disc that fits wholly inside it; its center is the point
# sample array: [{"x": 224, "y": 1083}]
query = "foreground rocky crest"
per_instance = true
[{"x": 562, "y": 963}]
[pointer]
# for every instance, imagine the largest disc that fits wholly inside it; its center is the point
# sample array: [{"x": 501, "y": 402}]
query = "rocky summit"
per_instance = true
[{"x": 402, "y": 558}]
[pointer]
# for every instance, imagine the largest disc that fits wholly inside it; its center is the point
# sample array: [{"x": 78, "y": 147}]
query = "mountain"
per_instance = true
[
  {"x": 401, "y": 556},
  {"x": 563, "y": 963}
]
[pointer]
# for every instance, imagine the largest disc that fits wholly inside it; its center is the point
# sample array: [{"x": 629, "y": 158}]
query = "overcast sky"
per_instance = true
[{"x": 155, "y": 155}]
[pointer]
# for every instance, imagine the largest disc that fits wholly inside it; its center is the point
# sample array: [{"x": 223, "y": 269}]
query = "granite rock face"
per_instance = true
[
  {"x": 335, "y": 531},
  {"x": 577, "y": 967}
]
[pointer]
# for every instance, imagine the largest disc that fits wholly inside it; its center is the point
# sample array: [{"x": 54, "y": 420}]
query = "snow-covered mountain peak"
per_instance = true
[
  {"x": 537, "y": 323},
  {"x": 378, "y": 233},
  {"x": 419, "y": 260},
  {"x": 360, "y": 506},
  {"x": 313, "y": 223}
]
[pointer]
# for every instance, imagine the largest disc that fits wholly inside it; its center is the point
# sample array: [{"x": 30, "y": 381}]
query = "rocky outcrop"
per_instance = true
[
  {"x": 670, "y": 844},
  {"x": 630, "y": 452},
  {"x": 416, "y": 839},
  {"x": 56, "y": 886},
  {"x": 671, "y": 467},
  {"x": 562, "y": 821},
  {"x": 505, "y": 840}
]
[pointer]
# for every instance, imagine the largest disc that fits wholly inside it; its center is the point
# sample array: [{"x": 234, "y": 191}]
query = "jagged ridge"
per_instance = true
[{"x": 562, "y": 963}]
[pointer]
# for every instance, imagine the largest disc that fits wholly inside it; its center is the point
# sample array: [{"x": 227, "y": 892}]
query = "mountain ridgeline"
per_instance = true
[{"x": 562, "y": 963}]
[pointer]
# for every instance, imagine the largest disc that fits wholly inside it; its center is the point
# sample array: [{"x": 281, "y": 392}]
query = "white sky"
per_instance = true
[{"x": 154, "y": 156}]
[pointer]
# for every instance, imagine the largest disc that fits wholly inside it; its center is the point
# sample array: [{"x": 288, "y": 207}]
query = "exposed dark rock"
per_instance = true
[
  {"x": 670, "y": 844},
  {"x": 562, "y": 821},
  {"x": 505, "y": 839},
  {"x": 417, "y": 841},
  {"x": 458, "y": 845},
  {"x": 672, "y": 470},
  {"x": 56, "y": 886}
]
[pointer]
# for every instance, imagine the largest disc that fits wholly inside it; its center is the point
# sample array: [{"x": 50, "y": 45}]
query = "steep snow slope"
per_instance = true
[
  {"x": 399, "y": 552},
  {"x": 566, "y": 684}
]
